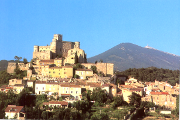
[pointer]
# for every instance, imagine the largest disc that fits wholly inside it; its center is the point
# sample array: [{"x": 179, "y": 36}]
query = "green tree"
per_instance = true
[
  {"x": 25, "y": 61},
  {"x": 118, "y": 101},
  {"x": 18, "y": 58},
  {"x": 135, "y": 99},
  {"x": 94, "y": 69},
  {"x": 99, "y": 96}
]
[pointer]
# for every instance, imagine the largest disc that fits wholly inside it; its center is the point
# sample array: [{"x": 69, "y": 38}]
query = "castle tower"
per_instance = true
[
  {"x": 36, "y": 48},
  {"x": 58, "y": 45},
  {"x": 53, "y": 48},
  {"x": 77, "y": 45}
]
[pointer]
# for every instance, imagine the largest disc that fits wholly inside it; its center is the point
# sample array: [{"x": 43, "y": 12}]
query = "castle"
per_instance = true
[
  {"x": 59, "y": 48},
  {"x": 59, "y": 58}
]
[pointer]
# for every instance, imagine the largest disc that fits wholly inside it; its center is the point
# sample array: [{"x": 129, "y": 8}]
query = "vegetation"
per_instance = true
[
  {"x": 151, "y": 74},
  {"x": 94, "y": 69}
]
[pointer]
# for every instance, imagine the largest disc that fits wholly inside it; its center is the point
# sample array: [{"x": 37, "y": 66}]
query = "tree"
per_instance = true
[
  {"x": 25, "y": 61},
  {"x": 99, "y": 96},
  {"x": 94, "y": 69},
  {"x": 135, "y": 99},
  {"x": 18, "y": 58},
  {"x": 118, "y": 101},
  {"x": 101, "y": 61},
  {"x": 76, "y": 76}
]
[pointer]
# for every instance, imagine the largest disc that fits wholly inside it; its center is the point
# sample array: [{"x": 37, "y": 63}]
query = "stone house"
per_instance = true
[{"x": 15, "y": 112}]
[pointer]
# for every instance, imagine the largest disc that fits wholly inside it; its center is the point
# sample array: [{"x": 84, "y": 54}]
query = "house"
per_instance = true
[
  {"x": 56, "y": 104},
  {"x": 62, "y": 72},
  {"x": 5, "y": 88},
  {"x": 72, "y": 90},
  {"x": 84, "y": 73},
  {"x": 15, "y": 112},
  {"x": 161, "y": 98},
  {"x": 18, "y": 88},
  {"x": 49, "y": 87}
]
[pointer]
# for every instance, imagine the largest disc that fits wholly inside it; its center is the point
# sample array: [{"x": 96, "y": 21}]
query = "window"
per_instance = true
[
  {"x": 36, "y": 87},
  {"x": 76, "y": 92},
  {"x": 43, "y": 88},
  {"x": 66, "y": 91},
  {"x": 71, "y": 91}
]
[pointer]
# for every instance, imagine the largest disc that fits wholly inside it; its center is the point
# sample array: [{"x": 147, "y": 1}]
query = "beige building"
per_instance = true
[
  {"x": 15, "y": 112},
  {"x": 161, "y": 98},
  {"x": 61, "y": 72},
  {"x": 71, "y": 90},
  {"x": 84, "y": 73}
]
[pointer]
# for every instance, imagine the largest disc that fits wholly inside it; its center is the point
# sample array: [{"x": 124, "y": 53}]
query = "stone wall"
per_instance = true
[
  {"x": 105, "y": 68},
  {"x": 67, "y": 46},
  {"x": 11, "y": 67},
  {"x": 43, "y": 55}
]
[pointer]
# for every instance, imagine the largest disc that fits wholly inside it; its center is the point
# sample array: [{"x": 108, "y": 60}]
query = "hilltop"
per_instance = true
[{"x": 128, "y": 55}]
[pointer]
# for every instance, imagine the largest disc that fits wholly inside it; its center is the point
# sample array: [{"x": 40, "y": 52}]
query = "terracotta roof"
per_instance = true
[
  {"x": 94, "y": 84},
  {"x": 58, "y": 102},
  {"x": 105, "y": 85},
  {"x": 13, "y": 108},
  {"x": 51, "y": 60},
  {"x": 4, "y": 86},
  {"x": 127, "y": 86},
  {"x": 136, "y": 89},
  {"x": 65, "y": 94},
  {"x": 83, "y": 70},
  {"x": 159, "y": 93},
  {"x": 19, "y": 85},
  {"x": 69, "y": 85},
  {"x": 31, "y": 80}
]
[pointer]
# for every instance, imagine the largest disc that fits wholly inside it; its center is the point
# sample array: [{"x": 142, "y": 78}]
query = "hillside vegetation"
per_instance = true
[{"x": 152, "y": 73}]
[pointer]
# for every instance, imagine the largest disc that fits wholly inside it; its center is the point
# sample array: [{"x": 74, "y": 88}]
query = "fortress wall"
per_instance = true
[
  {"x": 43, "y": 55},
  {"x": 11, "y": 67},
  {"x": 110, "y": 68},
  {"x": 102, "y": 67},
  {"x": 88, "y": 65}
]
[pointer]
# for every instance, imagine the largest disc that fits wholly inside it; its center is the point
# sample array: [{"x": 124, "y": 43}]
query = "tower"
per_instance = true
[
  {"x": 56, "y": 46},
  {"x": 77, "y": 45},
  {"x": 36, "y": 48}
]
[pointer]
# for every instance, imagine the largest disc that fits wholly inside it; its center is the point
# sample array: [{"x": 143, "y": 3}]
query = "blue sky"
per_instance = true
[{"x": 97, "y": 24}]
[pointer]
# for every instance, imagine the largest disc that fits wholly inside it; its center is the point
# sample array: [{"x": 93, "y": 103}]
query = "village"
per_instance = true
[{"x": 61, "y": 70}]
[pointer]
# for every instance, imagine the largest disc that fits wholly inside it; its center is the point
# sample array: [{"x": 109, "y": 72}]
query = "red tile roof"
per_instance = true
[
  {"x": 159, "y": 93},
  {"x": 55, "y": 102},
  {"x": 13, "y": 108},
  {"x": 83, "y": 70},
  {"x": 51, "y": 60}
]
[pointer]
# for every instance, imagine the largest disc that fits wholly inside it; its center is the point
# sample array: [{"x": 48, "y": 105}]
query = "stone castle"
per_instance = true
[
  {"x": 58, "y": 59},
  {"x": 59, "y": 48}
]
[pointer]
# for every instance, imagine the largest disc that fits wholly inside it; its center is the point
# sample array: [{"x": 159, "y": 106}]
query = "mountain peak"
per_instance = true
[{"x": 128, "y": 55}]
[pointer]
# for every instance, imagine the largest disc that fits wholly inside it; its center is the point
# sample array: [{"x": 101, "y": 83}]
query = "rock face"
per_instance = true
[{"x": 128, "y": 55}]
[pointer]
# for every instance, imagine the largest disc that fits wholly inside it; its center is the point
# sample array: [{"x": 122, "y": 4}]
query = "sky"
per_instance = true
[{"x": 98, "y": 25}]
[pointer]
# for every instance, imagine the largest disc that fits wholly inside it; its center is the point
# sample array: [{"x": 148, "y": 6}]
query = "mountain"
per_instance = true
[{"x": 128, "y": 55}]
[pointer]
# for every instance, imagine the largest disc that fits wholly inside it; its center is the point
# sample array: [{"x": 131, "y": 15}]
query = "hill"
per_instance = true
[{"x": 128, "y": 55}]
